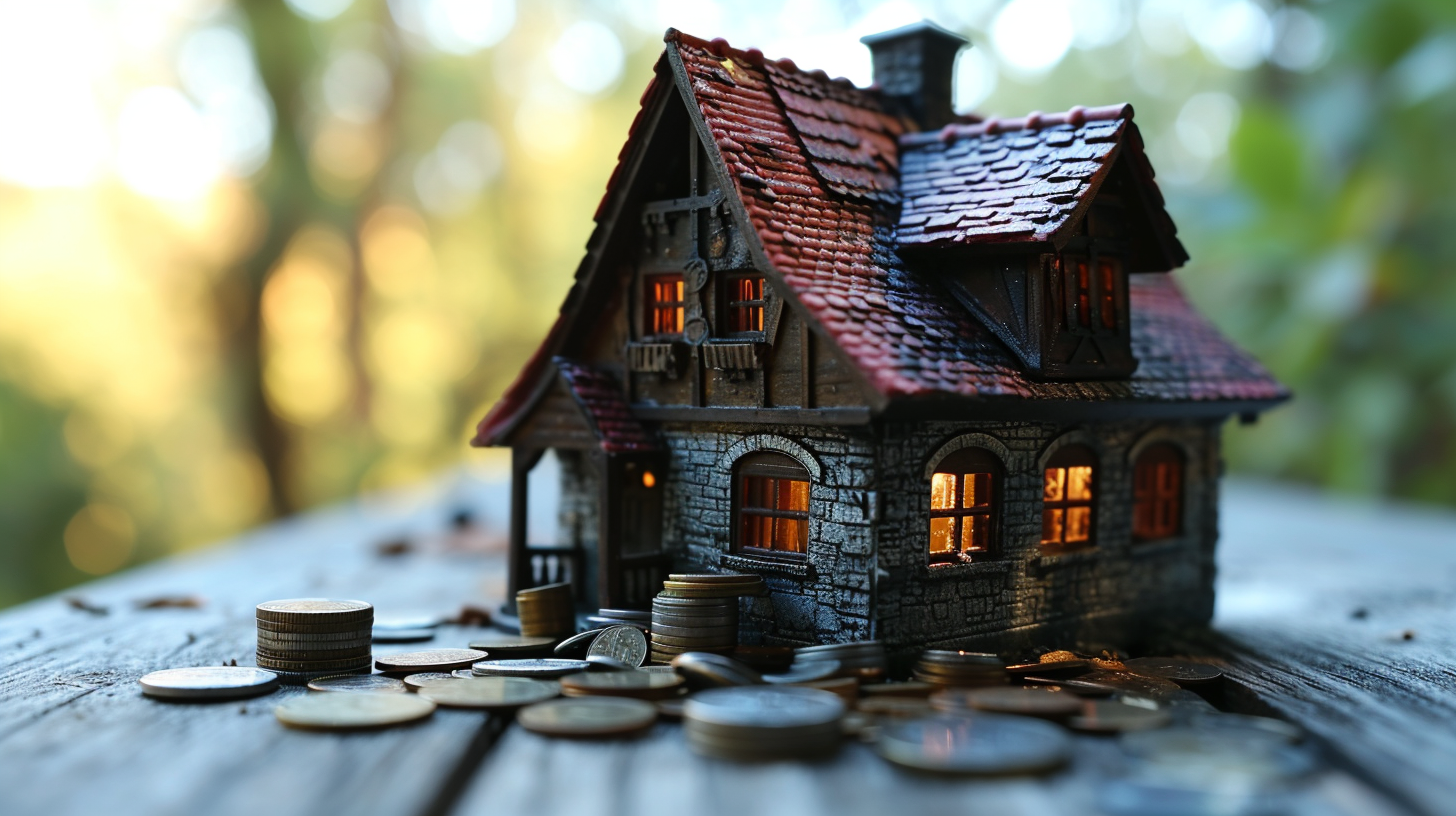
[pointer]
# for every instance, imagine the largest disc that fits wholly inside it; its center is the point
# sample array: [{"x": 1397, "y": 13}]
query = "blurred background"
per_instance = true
[{"x": 260, "y": 255}]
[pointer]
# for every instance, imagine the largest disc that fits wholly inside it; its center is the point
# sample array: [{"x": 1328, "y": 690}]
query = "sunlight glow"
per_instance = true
[
  {"x": 587, "y": 57},
  {"x": 1032, "y": 36}
]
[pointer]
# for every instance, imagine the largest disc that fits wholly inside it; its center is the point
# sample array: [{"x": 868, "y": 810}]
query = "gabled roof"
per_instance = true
[
  {"x": 1027, "y": 179},
  {"x": 817, "y": 167},
  {"x": 605, "y": 404}
]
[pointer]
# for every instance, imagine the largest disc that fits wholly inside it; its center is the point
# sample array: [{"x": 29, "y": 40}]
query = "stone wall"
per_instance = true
[
  {"x": 1112, "y": 593},
  {"x": 828, "y": 598}
]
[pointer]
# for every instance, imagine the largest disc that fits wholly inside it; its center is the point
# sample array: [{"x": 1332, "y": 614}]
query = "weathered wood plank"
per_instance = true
[{"x": 76, "y": 735}]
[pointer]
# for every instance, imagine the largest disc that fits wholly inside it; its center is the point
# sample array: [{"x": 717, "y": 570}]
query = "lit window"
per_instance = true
[
  {"x": 663, "y": 312},
  {"x": 743, "y": 303},
  {"x": 962, "y": 507},
  {"x": 1067, "y": 498},
  {"x": 1157, "y": 510},
  {"x": 1091, "y": 282},
  {"x": 771, "y": 505}
]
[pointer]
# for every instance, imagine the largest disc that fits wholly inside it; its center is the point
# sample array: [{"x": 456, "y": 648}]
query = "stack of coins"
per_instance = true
[
  {"x": 963, "y": 669},
  {"x": 866, "y": 660},
  {"x": 763, "y": 722},
  {"x": 682, "y": 625},
  {"x": 546, "y": 611},
  {"x": 640, "y": 618},
  {"x": 722, "y": 585},
  {"x": 313, "y": 637}
]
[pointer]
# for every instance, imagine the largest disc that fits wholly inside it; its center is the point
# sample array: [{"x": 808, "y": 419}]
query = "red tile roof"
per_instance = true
[
  {"x": 818, "y": 168},
  {"x": 605, "y": 404}
]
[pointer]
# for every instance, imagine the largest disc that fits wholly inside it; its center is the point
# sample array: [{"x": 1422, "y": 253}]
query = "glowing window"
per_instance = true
[
  {"x": 743, "y": 303},
  {"x": 1068, "y": 485},
  {"x": 663, "y": 305},
  {"x": 1157, "y": 510},
  {"x": 963, "y": 507},
  {"x": 771, "y": 505},
  {"x": 1091, "y": 291}
]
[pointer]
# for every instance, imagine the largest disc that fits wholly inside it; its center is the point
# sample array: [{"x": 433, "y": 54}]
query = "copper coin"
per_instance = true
[
  {"x": 429, "y": 660},
  {"x": 357, "y": 682},
  {"x": 1182, "y": 672},
  {"x": 588, "y": 717},
  {"x": 491, "y": 693},
  {"x": 1027, "y": 702}
]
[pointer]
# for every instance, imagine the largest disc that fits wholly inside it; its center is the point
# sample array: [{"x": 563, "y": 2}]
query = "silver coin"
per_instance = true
[
  {"x": 408, "y": 622},
  {"x": 707, "y": 670},
  {"x": 805, "y": 672},
  {"x": 576, "y": 645},
  {"x": 209, "y": 683},
  {"x": 608, "y": 663},
  {"x": 529, "y": 667},
  {"x": 357, "y": 682},
  {"x": 402, "y": 635},
  {"x": 765, "y": 707},
  {"x": 415, "y": 682},
  {"x": 623, "y": 643},
  {"x": 626, "y": 614},
  {"x": 979, "y": 744}
]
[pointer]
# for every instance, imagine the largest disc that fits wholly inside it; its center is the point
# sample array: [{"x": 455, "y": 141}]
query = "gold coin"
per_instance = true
[
  {"x": 429, "y": 660},
  {"x": 366, "y": 709},
  {"x": 490, "y": 693},
  {"x": 588, "y": 717}
]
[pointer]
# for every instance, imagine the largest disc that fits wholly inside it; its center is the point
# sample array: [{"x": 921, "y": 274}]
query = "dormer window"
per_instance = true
[
  {"x": 1092, "y": 283},
  {"x": 662, "y": 311},
  {"x": 743, "y": 303}
]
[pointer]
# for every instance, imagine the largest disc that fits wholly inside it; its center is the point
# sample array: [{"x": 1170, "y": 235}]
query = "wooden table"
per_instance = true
[{"x": 1335, "y": 615}]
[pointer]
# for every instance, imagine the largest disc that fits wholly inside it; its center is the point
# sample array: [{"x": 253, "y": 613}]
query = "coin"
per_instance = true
[
  {"x": 909, "y": 688},
  {"x": 895, "y": 707},
  {"x": 402, "y": 635},
  {"x": 314, "y": 655},
  {"x": 606, "y": 663},
  {"x": 704, "y": 670},
  {"x": 366, "y": 709},
  {"x": 500, "y": 644},
  {"x": 639, "y": 684},
  {"x": 529, "y": 667},
  {"x": 1081, "y": 688},
  {"x": 345, "y": 666},
  {"x": 984, "y": 744},
  {"x": 415, "y": 682},
  {"x": 305, "y": 631},
  {"x": 1051, "y": 668},
  {"x": 802, "y": 672},
  {"x": 727, "y": 629},
  {"x": 725, "y": 641},
  {"x": 491, "y": 693},
  {"x": 576, "y": 645},
  {"x": 588, "y": 717},
  {"x": 429, "y": 660},
  {"x": 314, "y": 611},
  {"x": 1026, "y": 702},
  {"x": 357, "y": 682},
  {"x": 624, "y": 643},
  {"x": 1107, "y": 717},
  {"x": 712, "y": 578},
  {"x": 626, "y": 614},
  {"x": 765, "y": 707},
  {"x": 208, "y": 683},
  {"x": 1182, "y": 672}
]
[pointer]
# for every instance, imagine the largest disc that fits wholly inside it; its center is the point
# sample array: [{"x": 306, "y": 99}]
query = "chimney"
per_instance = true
[{"x": 914, "y": 66}]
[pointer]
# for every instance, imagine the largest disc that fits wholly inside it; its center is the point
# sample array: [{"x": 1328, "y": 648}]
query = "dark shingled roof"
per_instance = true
[
  {"x": 821, "y": 167},
  {"x": 602, "y": 399}
]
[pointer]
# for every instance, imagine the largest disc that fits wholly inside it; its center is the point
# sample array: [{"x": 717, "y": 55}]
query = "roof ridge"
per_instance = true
[
  {"x": 1036, "y": 120},
  {"x": 753, "y": 56}
]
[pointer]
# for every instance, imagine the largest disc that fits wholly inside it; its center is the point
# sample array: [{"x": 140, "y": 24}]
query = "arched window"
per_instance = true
[
  {"x": 963, "y": 505},
  {"x": 1157, "y": 510},
  {"x": 770, "y": 505},
  {"x": 1068, "y": 498}
]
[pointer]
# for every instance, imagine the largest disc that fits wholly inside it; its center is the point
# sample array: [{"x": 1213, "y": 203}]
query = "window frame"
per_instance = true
[
  {"x": 779, "y": 467},
  {"x": 962, "y": 463},
  {"x": 1090, "y": 280},
  {"x": 652, "y": 306},
  {"x": 1149, "y": 499},
  {"x": 729, "y": 305},
  {"x": 1071, "y": 456}
]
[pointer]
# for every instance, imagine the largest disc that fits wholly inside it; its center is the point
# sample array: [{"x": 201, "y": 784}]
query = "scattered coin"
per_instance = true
[
  {"x": 1107, "y": 717},
  {"x": 632, "y": 683},
  {"x": 624, "y": 643},
  {"x": 763, "y": 722},
  {"x": 491, "y": 693},
  {"x": 357, "y": 682},
  {"x": 529, "y": 667},
  {"x": 501, "y": 644},
  {"x": 1182, "y": 672},
  {"x": 346, "y": 711},
  {"x": 865, "y": 659},
  {"x": 415, "y": 682},
  {"x": 911, "y": 688},
  {"x": 588, "y": 717},
  {"x": 989, "y": 744},
  {"x": 402, "y": 635},
  {"x": 950, "y": 668},
  {"x": 1027, "y": 702},
  {"x": 805, "y": 672},
  {"x": 607, "y": 663},
  {"x": 429, "y": 660},
  {"x": 209, "y": 683},
  {"x": 576, "y": 645},
  {"x": 706, "y": 670}
]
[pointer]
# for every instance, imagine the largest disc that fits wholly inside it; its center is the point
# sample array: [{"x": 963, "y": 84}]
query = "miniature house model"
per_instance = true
[{"x": 927, "y": 374}]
